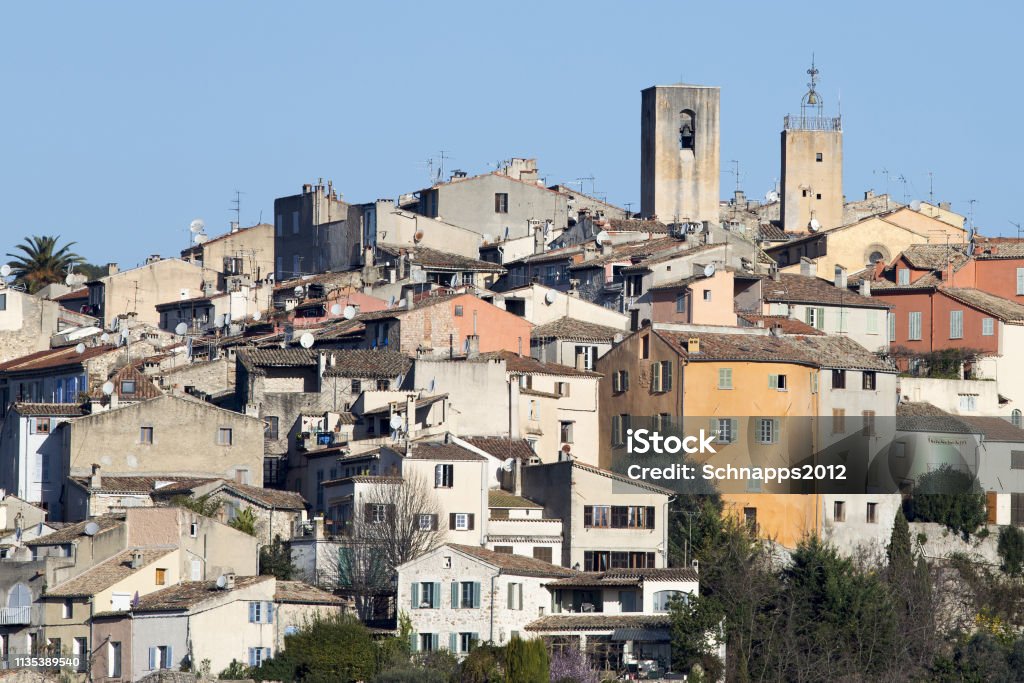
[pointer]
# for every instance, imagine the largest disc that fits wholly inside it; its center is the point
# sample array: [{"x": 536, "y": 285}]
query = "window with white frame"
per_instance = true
[
  {"x": 726, "y": 429},
  {"x": 725, "y": 378},
  {"x": 988, "y": 327},
  {"x": 768, "y": 430},
  {"x": 968, "y": 402},
  {"x": 444, "y": 476},
  {"x": 903, "y": 276},
  {"x": 914, "y": 326},
  {"x": 956, "y": 324},
  {"x": 1020, "y": 282}
]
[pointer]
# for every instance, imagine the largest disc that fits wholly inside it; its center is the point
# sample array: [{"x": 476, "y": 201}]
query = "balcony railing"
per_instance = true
[
  {"x": 796, "y": 122},
  {"x": 15, "y": 615}
]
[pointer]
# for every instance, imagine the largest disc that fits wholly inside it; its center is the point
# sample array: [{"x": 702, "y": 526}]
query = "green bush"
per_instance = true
[
  {"x": 484, "y": 664},
  {"x": 1011, "y": 550},
  {"x": 333, "y": 648},
  {"x": 950, "y": 497},
  {"x": 526, "y": 661}
]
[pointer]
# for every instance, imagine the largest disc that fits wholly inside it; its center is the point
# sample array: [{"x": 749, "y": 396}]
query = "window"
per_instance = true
[
  {"x": 80, "y": 649},
  {"x": 67, "y": 608},
  {"x": 224, "y": 436},
  {"x": 444, "y": 476},
  {"x": 160, "y": 657},
  {"x": 466, "y": 641},
  {"x": 146, "y": 435},
  {"x": 565, "y": 432},
  {"x": 458, "y": 311},
  {"x": 296, "y": 265},
  {"x": 868, "y": 428},
  {"x": 161, "y": 577},
  {"x": 597, "y": 516},
  {"x": 376, "y": 513},
  {"x": 466, "y": 594},
  {"x": 589, "y": 354},
  {"x": 777, "y": 382},
  {"x": 1017, "y": 460},
  {"x": 426, "y": 522},
  {"x": 295, "y": 222},
  {"x": 383, "y": 385},
  {"x": 663, "y": 598},
  {"x": 868, "y": 380},
  {"x": 127, "y": 386},
  {"x": 542, "y": 553},
  {"x": 272, "y": 425},
  {"x": 620, "y": 381},
  {"x": 842, "y": 320},
  {"x": 681, "y": 302},
  {"x": 3, "y": 302},
  {"x": 645, "y": 346},
  {"x": 725, "y": 429},
  {"x": 818, "y": 156},
  {"x": 892, "y": 327},
  {"x": 707, "y": 295},
  {"x": 838, "y": 420},
  {"x": 956, "y": 324},
  {"x": 501, "y": 202},
  {"x": 968, "y": 402},
  {"x": 193, "y": 529},
  {"x": 804, "y": 193},
  {"x": 355, "y": 386},
  {"x": 768, "y": 430},
  {"x": 627, "y": 601},
  {"x": 426, "y": 595},
  {"x": 562, "y": 389},
  {"x": 817, "y": 196},
  {"x": 114, "y": 659},
  {"x": 1020, "y": 282},
  {"x": 687, "y": 130},
  {"x": 461, "y": 521},
  {"x": 872, "y": 513},
  {"x": 839, "y": 379},
  {"x": 534, "y": 410},
  {"x": 815, "y": 317},
  {"x": 428, "y": 642},
  {"x": 514, "y": 596},
  {"x": 914, "y": 326},
  {"x": 839, "y": 511},
  {"x": 988, "y": 327},
  {"x": 258, "y": 655},
  {"x": 41, "y": 425},
  {"x": 725, "y": 378},
  {"x": 661, "y": 376},
  {"x": 902, "y": 276}
]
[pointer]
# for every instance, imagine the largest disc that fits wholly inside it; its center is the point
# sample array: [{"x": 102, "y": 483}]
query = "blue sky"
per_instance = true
[{"x": 122, "y": 121}]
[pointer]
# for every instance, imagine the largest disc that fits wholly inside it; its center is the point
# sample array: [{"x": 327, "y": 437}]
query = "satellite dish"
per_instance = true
[
  {"x": 486, "y": 238},
  {"x": 222, "y": 581},
  {"x": 916, "y": 205},
  {"x": 108, "y": 388},
  {"x": 617, "y": 338},
  {"x": 336, "y": 309},
  {"x": 709, "y": 270},
  {"x": 306, "y": 340},
  {"x": 418, "y": 276},
  {"x": 508, "y": 464},
  {"x": 256, "y": 315},
  {"x": 196, "y": 226},
  {"x": 550, "y": 297},
  {"x": 391, "y": 301},
  {"x": 601, "y": 237},
  {"x": 180, "y": 329},
  {"x": 104, "y": 337},
  {"x": 299, "y": 291},
  {"x": 5, "y": 270},
  {"x": 418, "y": 236},
  {"x": 454, "y": 282},
  {"x": 396, "y": 422},
  {"x": 218, "y": 321},
  {"x": 124, "y": 331},
  {"x": 399, "y": 380},
  {"x": 349, "y": 312},
  {"x": 200, "y": 238},
  {"x": 433, "y": 384},
  {"x": 91, "y": 529},
  {"x": 814, "y": 225},
  {"x": 80, "y": 348},
  {"x": 70, "y": 280},
  {"x": 771, "y": 196}
]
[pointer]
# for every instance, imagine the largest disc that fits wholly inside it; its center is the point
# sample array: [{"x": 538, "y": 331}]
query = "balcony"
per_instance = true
[
  {"x": 10, "y": 616},
  {"x": 813, "y": 122}
]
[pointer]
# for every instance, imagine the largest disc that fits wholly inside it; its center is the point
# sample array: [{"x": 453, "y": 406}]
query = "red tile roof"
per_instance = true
[{"x": 54, "y": 358}]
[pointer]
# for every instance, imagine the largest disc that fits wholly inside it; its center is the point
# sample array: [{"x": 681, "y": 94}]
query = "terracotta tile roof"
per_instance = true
[
  {"x": 636, "y": 225},
  {"x": 271, "y": 498},
  {"x": 628, "y": 577},
  {"x": 513, "y": 564},
  {"x": 73, "y": 532},
  {"x": 421, "y": 402},
  {"x": 421, "y": 302},
  {"x": 769, "y": 232},
  {"x": 297, "y": 592},
  {"x": 118, "y": 484},
  {"x": 560, "y": 254},
  {"x": 994, "y": 428},
  {"x": 188, "y": 594},
  {"x": 255, "y": 360},
  {"x": 620, "y": 477},
  {"x": 834, "y": 351},
  {"x": 497, "y": 498},
  {"x": 1004, "y": 309},
  {"x": 434, "y": 259},
  {"x": 925, "y": 417},
  {"x": 598, "y": 621},
  {"x": 49, "y": 359},
  {"x": 789, "y": 325},
  {"x": 925, "y": 282},
  {"x": 107, "y": 573},
  {"x": 500, "y": 448},
  {"x": 82, "y": 293},
  {"x": 935, "y": 256},
  {"x": 794, "y": 288},
  {"x": 574, "y": 329},
  {"x": 528, "y": 365},
  {"x": 993, "y": 248},
  {"x": 437, "y": 450},
  {"x": 49, "y": 409},
  {"x": 754, "y": 348},
  {"x": 368, "y": 363},
  {"x": 670, "y": 254},
  {"x": 629, "y": 251},
  {"x": 365, "y": 479},
  {"x": 144, "y": 386}
]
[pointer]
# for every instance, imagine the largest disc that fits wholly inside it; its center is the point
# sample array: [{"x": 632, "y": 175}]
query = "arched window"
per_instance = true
[
  {"x": 662, "y": 599},
  {"x": 20, "y": 596},
  {"x": 1015, "y": 417},
  {"x": 687, "y": 129}
]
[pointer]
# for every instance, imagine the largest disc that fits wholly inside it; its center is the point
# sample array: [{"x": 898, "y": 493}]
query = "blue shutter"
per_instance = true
[
  {"x": 413, "y": 641},
  {"x": 453, "y": 642},
  {"x": 455, "y": 594},
  {"x": 270, "y": 613},
  {"x": 474, "y": 639},
  {"x": 152, "y": 658},
  {"x": 170, "y": 657},
  {"x": 252, "y": 612},
  {"x": 435, "y": 642},
  {"x": 476, "y": 594},
  {"x": 414, "y": 593},
  {"x": 252, "y": 656},
  {"x": 435, "y": 599}
]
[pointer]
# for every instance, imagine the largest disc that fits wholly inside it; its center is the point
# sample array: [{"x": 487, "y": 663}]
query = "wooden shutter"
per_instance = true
[
  {"x": 453, "y": 642},
  {"x": 649, "y": 517},
  {"x": 666, "y": 375},
  {"x": 511, "y": 596},
  {"x": 451, "y": 520},
  {"x": 435, "y": 599},
  {"x": 455, "y": 594},
  {"x": 588, "y": 515},
  {"x": 470, "y": 517},
  {"x": 655, "y": 376},
  {"x": 476, "y": 594},
  {"x": 414, "y": 594}
]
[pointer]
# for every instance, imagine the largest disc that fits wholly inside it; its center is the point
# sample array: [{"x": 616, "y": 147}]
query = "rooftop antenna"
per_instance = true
[
  {"x": 440, "y": 171},
  {"x": 592, "y": 180},
  {"x": 629, "y": 210},
  {"x": 903, "y": 179},
  {"x": 971, "y": 202},
  {"x": 736, "y": 172},
  {"x": 931, "y": 187},
  {"x": 1016, "y": 225},
  {"x": 237, "y": 201}
]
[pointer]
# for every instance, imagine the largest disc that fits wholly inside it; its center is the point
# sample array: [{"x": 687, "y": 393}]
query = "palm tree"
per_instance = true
[{"x": 41, "y": 262}]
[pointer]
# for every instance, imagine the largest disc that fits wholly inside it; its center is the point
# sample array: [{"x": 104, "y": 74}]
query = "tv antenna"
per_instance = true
[
  {"x": 931, "y": 187},
  {"x": 971, "y": 203},
  {"x": 237, "y": 201},
  {"x": 1016, "y": 225},
  {"x": 592, "y": 180},
  {"x": 736, "y": 172}
]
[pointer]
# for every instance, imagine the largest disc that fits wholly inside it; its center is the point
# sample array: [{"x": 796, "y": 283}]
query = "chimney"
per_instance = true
[
  {"x": 307, "y": 188},
  {"x": 474, "y": 345},
  {"x": 945, "y": 206},
  {"x": 410, "y": 416},
  {"x": 95, "y": 481},
  {"x": 321, "y": 365},
  {"x": 840, "y": 277},
  {"x": 693, "y": 345},
  {"x": 229, "y": 580},
  {"x": 865, "y": 287},
  {"x": 112, "y": 269},
  {"x": 517, "y": 478},
  {"x": 870, "y": 194},
  {"x": 538, "y": 240},
  {"x": 808, "y": 267},
  {"x": 234, "y": 226},
  {"x": 136, "y": 559},
  {"x": 775, "y": 272},
  {"x": 408, "y": 300},
  {"x": 606, "y": 249}
]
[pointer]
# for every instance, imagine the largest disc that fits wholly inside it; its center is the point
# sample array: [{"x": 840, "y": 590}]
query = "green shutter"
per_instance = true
[
  {"x": 436, "y": 602},
  {"x": 476, "y": 594},
  {"x": 773, "y": 381},
  {"x": 453, "y": 642},
  {"x": 414, "y": 593},
  {"x": 455, "y": 594},
  {"x": 735, "y": 430},
  {"x": 414, "y": 640}
]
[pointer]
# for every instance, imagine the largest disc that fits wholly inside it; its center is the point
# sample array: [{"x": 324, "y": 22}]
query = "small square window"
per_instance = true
[
  {"x": 128, "y": 386},
  {"x": 839, "y": 511},
  {"x": 146, "y": 435},
  {"x": 707, "y": 295},
  {"x": 872, "y": 513},
  {"x": 817, "y": 196},
  {"x": 501, "y": 202},
  {"x": 67, "y": 609},
  {"x": 161, "y": 576},
  {"x": 818, "y": 157},
  {"x": 224, "y": 436},
  {"x": 458, "y": 311},
  {"x": 461, "y": 521}
]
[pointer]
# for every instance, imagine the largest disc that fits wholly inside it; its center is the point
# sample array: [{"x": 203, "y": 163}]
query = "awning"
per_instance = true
[{"x": 642, "y": 634}]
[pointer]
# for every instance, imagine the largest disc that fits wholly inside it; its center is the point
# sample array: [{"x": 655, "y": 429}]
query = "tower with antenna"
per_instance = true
[{"x": 812, "y": 164}]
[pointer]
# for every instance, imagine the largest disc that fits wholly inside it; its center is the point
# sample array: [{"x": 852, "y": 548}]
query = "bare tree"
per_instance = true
[{"x": 394, "y": 522}]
